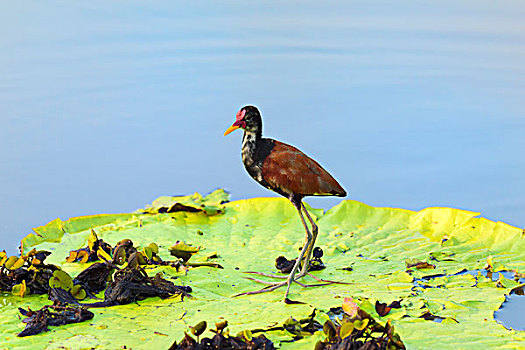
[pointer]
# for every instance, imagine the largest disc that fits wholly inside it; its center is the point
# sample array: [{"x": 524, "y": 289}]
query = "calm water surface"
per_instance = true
[{"x": 106, "y": 105}]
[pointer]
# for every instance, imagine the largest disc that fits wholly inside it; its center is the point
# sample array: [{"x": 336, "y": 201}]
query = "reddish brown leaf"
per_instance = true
[{"x": 382, "y": 309}]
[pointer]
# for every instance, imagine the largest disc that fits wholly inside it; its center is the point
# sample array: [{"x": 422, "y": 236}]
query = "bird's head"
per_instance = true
[{"x": 249, "y": 119}]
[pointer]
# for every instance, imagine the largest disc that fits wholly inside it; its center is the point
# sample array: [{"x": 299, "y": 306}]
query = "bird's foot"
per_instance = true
[{"x": 266, "y": 274}]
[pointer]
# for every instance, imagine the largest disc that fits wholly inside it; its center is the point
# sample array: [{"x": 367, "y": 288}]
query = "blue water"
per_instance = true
[{"x": 106, "y": 105}]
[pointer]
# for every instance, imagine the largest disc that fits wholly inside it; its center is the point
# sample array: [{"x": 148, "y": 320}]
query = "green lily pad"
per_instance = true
[{"x": 249, "y": 234}]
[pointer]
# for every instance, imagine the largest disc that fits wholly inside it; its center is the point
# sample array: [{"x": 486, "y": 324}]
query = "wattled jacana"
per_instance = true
[{"x": 286, "y": 170}]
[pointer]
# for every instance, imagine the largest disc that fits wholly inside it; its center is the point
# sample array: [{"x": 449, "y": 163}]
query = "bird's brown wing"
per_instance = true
[{"x": 293, "y": 172}]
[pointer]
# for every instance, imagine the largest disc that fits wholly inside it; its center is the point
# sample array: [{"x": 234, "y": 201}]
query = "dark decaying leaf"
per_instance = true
[
  {"x": 52, "y": 315},
  {"x": 199, "y": 328},
  {"x": 359, "y": 332},
  {"x": 396, "y": 304},
  {"x": 92, "y": 252},
  {"x": 62, "y": 296},
  {"x": 211, "y": 204},
  {"x": 95, "y": 277},
  {"x": 285, "y": 266},
  {"x": 131, "y": 285},
  {"x": 179, "y": 207},
  {"x": 382, "y": 309},
  {"x": 427, "y": 315},
  {"x": 220, "y": 342},
  {"x": 418, "y": 264},
  {"x": 27, "y": 274},
  {"x": 520, "y": 290}
]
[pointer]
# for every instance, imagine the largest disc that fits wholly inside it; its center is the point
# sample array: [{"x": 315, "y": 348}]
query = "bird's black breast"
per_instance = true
[
  {"x": 263, "y": 149},
  {"x": 258, "y": 154}
]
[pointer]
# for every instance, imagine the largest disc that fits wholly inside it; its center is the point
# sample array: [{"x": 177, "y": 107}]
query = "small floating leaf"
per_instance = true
[
  {"x": 221, "y": 325},
  {"x": 183, "y": 251},
  {"x": 154, "y": 247},
  {"x": 102, "y": 255},
  {"x": 346, "y": 329},
  {"x": 350, "y": 307},
  {"x": 382, "y": 309},
  {"x": 78, "y": 292},
  {"x": 72, "y": 256},
  {"x": 247, "y": 334},
  {"x": 10, "y": 262},
  {"x": 490, "y": 264},
  {"x": 418, "y": 264},
  {"x": 147, "y": 252},
  {"x": 20, "y": 289},
  {"x": 329, "y": 330},
  {"x": 3, "y": 259},
  {"x": 141, "y": 258},
  {"x": 19, "y": 263},
  {"x": 61, "y": 279},
  {"x": 136, "y": 259},
  {"x": 199, "y": 328},
  {"x": 119, "y": 255},
  {"x": 361, "y": 324},
  {"x": 92, "y": 239},
  {"x": 83, "y": 256},
  {"x": 133, "y": 261}
]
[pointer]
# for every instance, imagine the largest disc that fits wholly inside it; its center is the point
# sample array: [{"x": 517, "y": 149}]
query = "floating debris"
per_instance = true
[
  {"x": 183, "y": 251},
  {"x": 123, "y": 285},
  {"x": 383, "y": 309},
  {"x": 242, "y": 341},
  {"x": 91, "y": 252},
  {"x": 358, "y": 331},
  {"x": 418, "y": 264},
  {"x": 52, "y": 315},
  {"x": 285, "y": 266},
  {"x": 94, "y": 279},
  {"x": 27, "y": 274}
]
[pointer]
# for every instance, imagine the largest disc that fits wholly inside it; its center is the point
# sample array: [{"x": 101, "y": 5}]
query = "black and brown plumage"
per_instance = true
[{"x": 288, "y": 171}]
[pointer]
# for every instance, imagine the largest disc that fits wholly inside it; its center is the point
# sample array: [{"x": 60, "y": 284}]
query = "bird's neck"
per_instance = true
[{"x": 249, "y": 143}]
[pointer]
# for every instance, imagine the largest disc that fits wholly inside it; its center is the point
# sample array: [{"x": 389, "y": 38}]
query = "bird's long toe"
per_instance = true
[{"x": 265, "y": 274}]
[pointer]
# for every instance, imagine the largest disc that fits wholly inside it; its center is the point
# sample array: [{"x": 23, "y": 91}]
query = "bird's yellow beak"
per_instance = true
[{"x": 231, "y": 128}]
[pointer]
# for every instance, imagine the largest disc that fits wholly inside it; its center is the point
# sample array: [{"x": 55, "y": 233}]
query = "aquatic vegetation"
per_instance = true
[{"x": 477, "y": 263}]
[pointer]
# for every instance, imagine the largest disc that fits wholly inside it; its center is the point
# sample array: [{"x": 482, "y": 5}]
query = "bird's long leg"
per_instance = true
[
  {"x": 308, "y": 255},
  {"x": 309, "y": 238},
  {"x": 305, "y": 254}
]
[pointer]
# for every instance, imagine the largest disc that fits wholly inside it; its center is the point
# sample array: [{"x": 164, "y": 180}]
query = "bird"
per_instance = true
[{"x": 289, "y": 172}]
